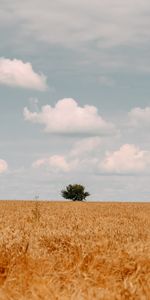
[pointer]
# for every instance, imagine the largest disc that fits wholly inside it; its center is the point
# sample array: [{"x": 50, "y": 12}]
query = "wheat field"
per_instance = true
[{"x": 67, "y": 250}]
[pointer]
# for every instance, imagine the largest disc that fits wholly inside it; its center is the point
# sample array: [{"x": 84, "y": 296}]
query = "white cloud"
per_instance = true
[
  {"x": 56, "y": 163},
  {"x": 16, "y": 73},
  {"x": 101, "y": 26},
  {"x": 111, "y": 23},
  {"x": 80, "y": 157},
  {"x": 139, "y": 117},
  {"x": 39, "y": 163},
  {"x": 3, "y": 166},
  {"x": 59, "y": 162},
  {"x": 128, "y": 159},
  {"x": 67, "y": 117}
]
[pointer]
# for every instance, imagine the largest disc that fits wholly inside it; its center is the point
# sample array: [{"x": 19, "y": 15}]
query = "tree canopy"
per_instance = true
[{"x": 75, "y": 192}]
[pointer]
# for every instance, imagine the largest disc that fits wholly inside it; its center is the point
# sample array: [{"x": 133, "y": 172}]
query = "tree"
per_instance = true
[{"x": 75, "y": 192}]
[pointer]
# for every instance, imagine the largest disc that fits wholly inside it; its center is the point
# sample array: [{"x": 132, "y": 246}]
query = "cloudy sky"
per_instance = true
[{"x": 75, "y": 98}]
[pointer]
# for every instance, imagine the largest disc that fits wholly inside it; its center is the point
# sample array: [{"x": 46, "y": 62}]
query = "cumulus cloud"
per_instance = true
[
  {"x": 3, "y": 166},
  {"x": 139, "y": 117},
  {"x": 80, "y": 157},
  {"x": 16, "y": 73},
  {"x": 67, "y": 117},
  {"x": 56, "y": 163},
  {"x": 39, "y": 163},
  {"x": 128, "y": 159}
]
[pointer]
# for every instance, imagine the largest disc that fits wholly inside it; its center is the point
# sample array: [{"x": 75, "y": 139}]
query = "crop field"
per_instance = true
[{"x": 77, "y": 251}]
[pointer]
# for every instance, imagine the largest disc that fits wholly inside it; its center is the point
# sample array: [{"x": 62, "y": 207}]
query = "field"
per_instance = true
[{"x": 77, "y": 251}]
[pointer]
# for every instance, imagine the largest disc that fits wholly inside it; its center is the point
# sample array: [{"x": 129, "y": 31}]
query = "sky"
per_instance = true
[{"x": 75, "y": 98}]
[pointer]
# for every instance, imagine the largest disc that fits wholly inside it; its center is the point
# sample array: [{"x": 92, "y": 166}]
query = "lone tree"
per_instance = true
[{"x": 75, "y": 192}]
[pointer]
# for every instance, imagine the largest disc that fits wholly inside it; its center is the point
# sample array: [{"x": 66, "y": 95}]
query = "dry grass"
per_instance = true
[{"x": 74, "y": 251}]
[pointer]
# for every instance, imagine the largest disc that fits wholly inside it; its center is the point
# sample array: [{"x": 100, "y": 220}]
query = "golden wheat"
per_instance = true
[{"x": 67, "y": 250}]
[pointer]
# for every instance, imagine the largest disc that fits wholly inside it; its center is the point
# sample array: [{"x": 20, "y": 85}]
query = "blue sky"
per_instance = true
[{"x": 74, "y": 98}]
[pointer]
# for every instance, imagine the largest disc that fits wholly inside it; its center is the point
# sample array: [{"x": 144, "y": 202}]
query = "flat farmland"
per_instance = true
[{"x": 69, "y": 250}]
